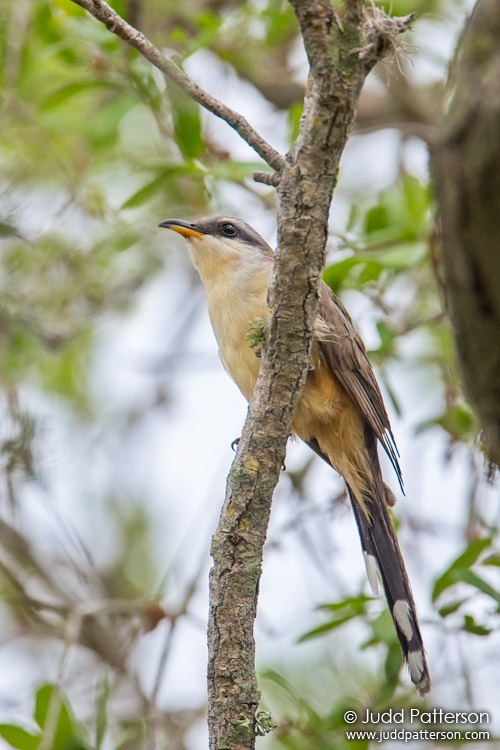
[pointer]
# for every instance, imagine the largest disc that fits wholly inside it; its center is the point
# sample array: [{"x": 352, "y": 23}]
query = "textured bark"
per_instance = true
[{"x": 466, "y": 169}]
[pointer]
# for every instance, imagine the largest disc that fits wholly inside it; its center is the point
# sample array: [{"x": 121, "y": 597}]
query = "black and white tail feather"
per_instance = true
[{"x": 385, "y": 563}]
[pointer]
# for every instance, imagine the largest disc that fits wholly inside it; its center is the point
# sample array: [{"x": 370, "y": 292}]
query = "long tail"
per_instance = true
[
  {"x": 383, "y": 560},
  {"x": 383, "y": 557}
]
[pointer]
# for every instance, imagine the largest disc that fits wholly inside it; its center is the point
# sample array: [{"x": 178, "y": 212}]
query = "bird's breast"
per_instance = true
[{"x": 233, "y": 308}]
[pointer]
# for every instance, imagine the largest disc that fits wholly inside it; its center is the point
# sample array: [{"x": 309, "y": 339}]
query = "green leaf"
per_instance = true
[
  {"x": 102, "y": 707},
  {"x": 52, "y": 714},
  {"x": 207, "y": 25},
  {"x": 65, "y": 372},
  {"x": 493, "y": 559},
  {"x": 369, "y": 265},
  {"x": 356, "y": 603},
  {"x": 399, "y": 256},
  {"x": 70, "y": 90},
  {"x": 459, "y": 422},
  {"x": 151, "y": 189},
  {"x": 399, "y": 217},
  {"x": 281, "y": 22},
  {"x": 393, "y": 663},
  {"x": 336, "y": 274},
  {"x": 471, "y": 626},
  {"x": 471, "y": 554},
  {"x": 382, "y": 630},
  {"x": 377, "y": 218},
  {"x": 354, "y": 272},
  {"x": 44, "y": 696},
  {"x": 354, "y": 217},
  {"x": 454, "y": 573},
  {"x": 449, "y": 609},
  {"x": 327, "y": 627},
  {"x": 48, "y": 32},
  {"x": 342, "y": 612},
  {"x": 388, "y": 339},
  {"x": 417, "y": 201},
  {"x": 397, "y": 8},
  {"x": 468, "y": 576},
  {"x": 135, "y": 735},
  {"x": 19, "y": 738}
]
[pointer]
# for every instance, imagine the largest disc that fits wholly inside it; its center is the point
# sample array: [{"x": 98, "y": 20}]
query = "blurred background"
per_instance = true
[{"x": 111, "y": 473}]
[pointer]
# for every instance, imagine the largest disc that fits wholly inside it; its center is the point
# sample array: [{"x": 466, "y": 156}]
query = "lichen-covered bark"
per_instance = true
[{"x": 466, "y": 169}]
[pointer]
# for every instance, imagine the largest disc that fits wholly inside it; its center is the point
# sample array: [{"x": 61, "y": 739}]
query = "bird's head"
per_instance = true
[{"x": 216, "y": 242}]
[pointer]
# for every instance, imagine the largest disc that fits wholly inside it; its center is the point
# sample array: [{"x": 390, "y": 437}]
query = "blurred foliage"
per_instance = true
[
  {"x": 311, "y": 727},
  {"x": 387, "y": 239},
  {"x": 96, "y": 148},
  {"x": 58, "y": 728},
  {"x": 468, "y": 569}
]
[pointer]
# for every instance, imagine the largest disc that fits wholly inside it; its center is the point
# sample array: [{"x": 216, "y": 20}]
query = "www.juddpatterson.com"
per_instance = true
[
  {"x": 407, "y": 735},
  {"x": 445, "y": 725}
]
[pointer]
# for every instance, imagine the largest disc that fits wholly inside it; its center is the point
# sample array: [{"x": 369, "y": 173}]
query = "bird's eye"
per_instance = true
[{"x": 229, "y": 230}]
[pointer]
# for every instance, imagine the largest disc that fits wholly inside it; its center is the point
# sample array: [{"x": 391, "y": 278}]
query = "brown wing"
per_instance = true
[{"x": 345, "y": 354}]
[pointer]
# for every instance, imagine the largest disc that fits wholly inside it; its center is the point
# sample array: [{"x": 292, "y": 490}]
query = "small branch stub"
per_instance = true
[{"x": 267, "y": 178}]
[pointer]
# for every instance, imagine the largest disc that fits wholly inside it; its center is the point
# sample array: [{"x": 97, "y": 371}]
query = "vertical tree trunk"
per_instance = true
[{"x": 466, "y": 170}]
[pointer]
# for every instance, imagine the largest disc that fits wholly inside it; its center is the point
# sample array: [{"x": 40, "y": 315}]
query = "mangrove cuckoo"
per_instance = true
[{"x": 341, "y": 413}]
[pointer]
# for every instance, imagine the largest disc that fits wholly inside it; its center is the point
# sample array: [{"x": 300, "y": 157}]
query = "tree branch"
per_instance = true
[
  {"x": 117, "y": 25},
  {"x": 466, "y": 170}
]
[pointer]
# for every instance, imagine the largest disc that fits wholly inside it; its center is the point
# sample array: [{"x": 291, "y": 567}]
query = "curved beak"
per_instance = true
[{"x": 183, "y": 228}]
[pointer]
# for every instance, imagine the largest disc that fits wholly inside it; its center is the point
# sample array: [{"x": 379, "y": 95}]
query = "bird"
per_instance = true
[{"x": 341, "y": 414}]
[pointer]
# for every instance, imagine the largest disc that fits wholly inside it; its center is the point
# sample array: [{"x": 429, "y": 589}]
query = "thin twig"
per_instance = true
[{"x": 118, "y": 26}]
